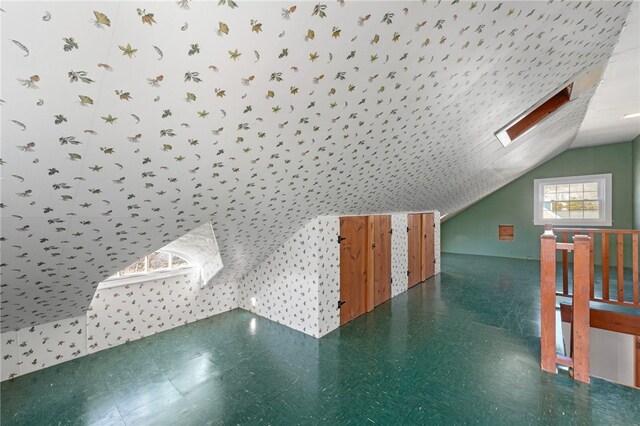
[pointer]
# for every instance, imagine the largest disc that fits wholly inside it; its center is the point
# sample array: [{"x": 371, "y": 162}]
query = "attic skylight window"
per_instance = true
[
  {"x": 583, "y": 82},
  {"x": 533, "y": 116}
]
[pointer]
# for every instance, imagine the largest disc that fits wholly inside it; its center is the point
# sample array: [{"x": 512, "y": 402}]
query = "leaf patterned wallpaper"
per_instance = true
[
  {"x": 120, "y": 314},
  {"x": 400, "y": 253},
  {"x": 299, "y": 284},
  {"x": 285, "y": 287},
  {"x": 127, "y": 124},
  {"x": 37, "y": 347},
  {"x": 116, "y": 315}
]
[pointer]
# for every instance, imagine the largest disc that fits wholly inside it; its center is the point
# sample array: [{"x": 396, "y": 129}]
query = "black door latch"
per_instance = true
[
  {"x": 340, "y": 238},
  {"x": 340, "y": 303}
]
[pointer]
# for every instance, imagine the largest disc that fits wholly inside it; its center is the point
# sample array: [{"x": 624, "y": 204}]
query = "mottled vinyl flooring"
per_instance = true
[{"x": 462, "y": 347}]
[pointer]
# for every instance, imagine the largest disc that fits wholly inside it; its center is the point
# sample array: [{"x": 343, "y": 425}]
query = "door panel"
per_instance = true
[
  {"x": 428, "y": 246},
  {"x": 353, "y": 267},
  {"x": 414, "y": 236},
  {"x": 382, "y": 259}
]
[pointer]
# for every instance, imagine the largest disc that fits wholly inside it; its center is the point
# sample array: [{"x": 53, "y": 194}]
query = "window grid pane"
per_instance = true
[
  {"x": 158, "y": 260},
  {"x": 177, "y": 261},
  {"x": 135, "y": 268},
  {"x": 153, "y": 262},
  {"x": 571, "y": 201}
]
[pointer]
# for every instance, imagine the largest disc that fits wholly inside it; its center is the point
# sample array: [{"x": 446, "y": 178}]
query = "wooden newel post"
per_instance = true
[
  {"x": 581, "y": 290},
  {"x": 548, "y": 300}
]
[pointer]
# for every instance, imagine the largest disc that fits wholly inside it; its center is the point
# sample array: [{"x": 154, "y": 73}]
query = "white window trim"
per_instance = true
[
  {"x": 143, "y": 277},
  {"x": 605, "y": 196}
]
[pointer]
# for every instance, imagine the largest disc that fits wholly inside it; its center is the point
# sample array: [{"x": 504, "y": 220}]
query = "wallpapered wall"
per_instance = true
[
  {"x": 329, "y": 268},
  {"x": 130, "y": 312},
  {"x": 284, "y": 288},
  {"x": 126, "y": 125},
  {"x": 41, "y": 346},
  {"x": 116, "y": 315},
  {"x": 299, "y": 284},
  {"x": 399, "y": 254}
]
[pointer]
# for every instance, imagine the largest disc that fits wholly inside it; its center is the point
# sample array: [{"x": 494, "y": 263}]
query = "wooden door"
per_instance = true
[
  {"x": 381, "y": 259},
  {"x": 414, "y": 235},
  {"x": 353, "y": 267},
  {"x": 428, "y": 266}
]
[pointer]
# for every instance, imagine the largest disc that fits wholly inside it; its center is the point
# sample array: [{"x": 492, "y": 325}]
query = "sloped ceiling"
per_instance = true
[
  {"x": 619, "y": 93},
  {"x": 127, "y": 124}
]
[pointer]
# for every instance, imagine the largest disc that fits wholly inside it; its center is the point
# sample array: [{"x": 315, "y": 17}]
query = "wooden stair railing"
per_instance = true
[
  {"x": 579, "y": 312},
  {"x": 605, "y": 320},
  {"x": 579, "y": 361},
  {"x": 606, "y": 236}
]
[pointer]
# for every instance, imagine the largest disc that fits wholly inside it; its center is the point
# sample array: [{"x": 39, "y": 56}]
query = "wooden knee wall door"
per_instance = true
[
  {"x": 365, "y": 264},
  {"x": 381, "y": 259},
  {"x": 428, "y": 267},
  {"x": 414, "y": 254},
  {"x": 354, "y": 263}
]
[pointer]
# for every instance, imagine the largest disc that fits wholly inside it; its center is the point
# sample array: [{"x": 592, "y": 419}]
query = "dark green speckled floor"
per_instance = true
[{"x": 460, "y": 348}]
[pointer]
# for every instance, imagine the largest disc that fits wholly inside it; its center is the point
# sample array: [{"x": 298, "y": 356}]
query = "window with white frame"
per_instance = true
[{"x": 573, "y": 201}]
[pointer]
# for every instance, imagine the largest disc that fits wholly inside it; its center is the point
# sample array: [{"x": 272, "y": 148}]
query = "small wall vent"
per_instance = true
[{"x": 505, "y": 232}]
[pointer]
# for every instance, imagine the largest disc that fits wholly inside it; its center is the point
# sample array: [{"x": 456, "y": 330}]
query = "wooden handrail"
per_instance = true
[
  {"x": 617, "y": 295},
  {"x": 605, "y": 320},
  {"x": 583, "y": 292},
  {"x": 596, "y": 230}
]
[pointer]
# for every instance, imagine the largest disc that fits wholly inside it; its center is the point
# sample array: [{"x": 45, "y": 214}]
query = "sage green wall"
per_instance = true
[
  {"x": 475, "y": 229},
  {"x": 636, "y": 182}
]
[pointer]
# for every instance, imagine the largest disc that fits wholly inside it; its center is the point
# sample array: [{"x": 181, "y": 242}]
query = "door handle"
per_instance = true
[{"x": 340, "y": 303}]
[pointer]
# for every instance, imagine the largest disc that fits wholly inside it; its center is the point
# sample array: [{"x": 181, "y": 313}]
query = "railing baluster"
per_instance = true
[
  {"x": 605, "y": 266},
  {"x": 592, "y": 264},
  {"x": 634, "y": 246},
  {"x": 582, "y": 290},
  {"x": 620, "y": 268},
  {"x": 581, "y": 329},
  {"x": 565, "y": 266},
  {"x": 548, "y": 302}
]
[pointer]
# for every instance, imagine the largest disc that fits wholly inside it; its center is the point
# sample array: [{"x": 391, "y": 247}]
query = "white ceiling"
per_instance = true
[{"x": 619, "y": 94}]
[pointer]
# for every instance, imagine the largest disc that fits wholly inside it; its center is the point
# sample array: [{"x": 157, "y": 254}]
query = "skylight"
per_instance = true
[
  {"x": 533, "y": 116},
  {"x": 570, "y": 90}
]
